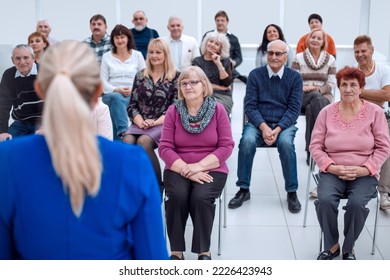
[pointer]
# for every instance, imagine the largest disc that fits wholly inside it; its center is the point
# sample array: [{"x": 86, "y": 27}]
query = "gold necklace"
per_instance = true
[{"x": 369, "y": 72}]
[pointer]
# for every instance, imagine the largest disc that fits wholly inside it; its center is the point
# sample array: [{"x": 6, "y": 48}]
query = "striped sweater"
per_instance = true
[
  {"x": 18, "y": 94},
  {"x": 321, "y": 74}
]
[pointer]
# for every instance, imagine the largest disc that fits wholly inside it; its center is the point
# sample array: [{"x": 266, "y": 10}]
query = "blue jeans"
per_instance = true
[
  {"x": 118, "y": 112},
  {"x": 18, "y": 128},
  {"x": 251, "y": 139}
]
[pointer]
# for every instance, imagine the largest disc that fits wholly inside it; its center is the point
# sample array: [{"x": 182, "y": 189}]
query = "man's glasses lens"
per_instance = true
[{"x": 271, "y": 53}]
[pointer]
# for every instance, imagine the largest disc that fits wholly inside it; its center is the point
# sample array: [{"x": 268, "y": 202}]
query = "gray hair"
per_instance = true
[
  {"x": 278, "y": 41},
  {"x": 23, "y": 46},
  {"x": 175, "y": 17},
  {"x": 221, "y": 38}
]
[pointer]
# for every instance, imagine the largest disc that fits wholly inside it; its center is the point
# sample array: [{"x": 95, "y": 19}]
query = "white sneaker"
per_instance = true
[
  {"x": 313, "y": 193},
  {"x": 384, "y": 201}
]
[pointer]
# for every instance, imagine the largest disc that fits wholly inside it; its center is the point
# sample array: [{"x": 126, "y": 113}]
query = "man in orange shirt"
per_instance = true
[{"x": 315, "y": 21}]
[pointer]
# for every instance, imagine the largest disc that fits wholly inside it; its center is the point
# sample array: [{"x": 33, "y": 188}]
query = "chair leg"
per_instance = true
[
  {"x": 224, "y": 208},
  {"x": 321, "y": 237},
  {"x": 309, "y": 175},
  {"x": 375, "y": 223},
  {"x": 219, "y": 224},
  {"x": 164, "y": 197}
]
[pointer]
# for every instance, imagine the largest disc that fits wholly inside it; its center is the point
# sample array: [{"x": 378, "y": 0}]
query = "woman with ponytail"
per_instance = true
[{"x": 69, "y": 194}]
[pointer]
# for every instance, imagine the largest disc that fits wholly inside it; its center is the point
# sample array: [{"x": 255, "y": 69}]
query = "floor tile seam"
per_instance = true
[
  {"x": 377, "y": 247},
  {"x": 283, "y": 208}
]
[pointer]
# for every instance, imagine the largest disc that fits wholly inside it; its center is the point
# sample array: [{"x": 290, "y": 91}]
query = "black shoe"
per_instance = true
[
  {"x": 204, "y": 258},
  {"x": 328, "y": 255},
  {"x": 349, "y": 257},
  {"x": 293, "y": 203},
  {"x": 176, "y": 258},
  {"x": 240, "y": 197}
]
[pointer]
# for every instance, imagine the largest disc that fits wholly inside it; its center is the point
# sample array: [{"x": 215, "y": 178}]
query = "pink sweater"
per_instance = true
[
  {"x": 362, "y": 142},
  {"x": 176, "y": 143}
]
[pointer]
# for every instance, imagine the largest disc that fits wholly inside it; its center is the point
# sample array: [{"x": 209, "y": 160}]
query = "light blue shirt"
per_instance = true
[{"x": 33, "y": 71}]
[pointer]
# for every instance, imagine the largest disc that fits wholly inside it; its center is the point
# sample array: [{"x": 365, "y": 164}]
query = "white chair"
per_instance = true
[{"x": 310, "y": 174}]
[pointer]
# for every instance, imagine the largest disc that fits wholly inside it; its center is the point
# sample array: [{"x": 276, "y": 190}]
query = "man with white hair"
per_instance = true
[
  {"x": 183, "y": 48},
  {"x": 141, "y": 33},
  {"x": 44, "y": 27},
  {"x": 272, "y": 105}
]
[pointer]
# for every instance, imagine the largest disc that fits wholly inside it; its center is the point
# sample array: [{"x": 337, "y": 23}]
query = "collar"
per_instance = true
[
  {"x": 33, "y": 71},
  {"x": 271, "y": 73},
  {"x": 104, "y": 38},
  {"x": 173, "y": 40},
  {"x": 227, "y": 32}
]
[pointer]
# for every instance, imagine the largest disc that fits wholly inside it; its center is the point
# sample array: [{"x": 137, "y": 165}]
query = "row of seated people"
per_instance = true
[{"x": 269, "y": 128}]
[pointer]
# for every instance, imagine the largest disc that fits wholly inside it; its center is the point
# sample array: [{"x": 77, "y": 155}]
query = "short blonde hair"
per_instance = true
[
  {"x": 221, "y": 38},
  {"x": 325, "y": 45},
  {"x": 196, "y": 71},
  {"x": 69, "y": 77}
]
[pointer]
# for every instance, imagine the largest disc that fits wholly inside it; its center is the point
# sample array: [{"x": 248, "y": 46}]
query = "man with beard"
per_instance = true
[
  {"x": 99, "y": 41},
  {"x": 142, "y": 34}
]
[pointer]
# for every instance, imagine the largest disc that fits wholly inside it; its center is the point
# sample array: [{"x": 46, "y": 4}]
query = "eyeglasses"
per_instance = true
[
  {"x": 278, "y": 54},
  {"x": 191, "y": 83},
  {"x": 141, "y": 18}
]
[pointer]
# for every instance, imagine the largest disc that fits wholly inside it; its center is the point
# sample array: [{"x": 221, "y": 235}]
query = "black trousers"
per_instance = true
[
  {"x": 312, "y": 104},
  {"x": 185, "y": 197}
]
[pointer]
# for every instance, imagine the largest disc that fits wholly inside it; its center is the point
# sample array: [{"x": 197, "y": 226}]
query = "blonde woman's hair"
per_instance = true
[
  {"x": 68, "y": 78},
  {"x": 169, "y": 65},
  {"x": 325, "y": 45},
  {"x": 221, "y": 38},
  {"x": 195, "y": 72}
]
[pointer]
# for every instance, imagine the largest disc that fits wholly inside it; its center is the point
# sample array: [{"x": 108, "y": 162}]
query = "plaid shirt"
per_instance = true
[{"x": 99, "y": 48}]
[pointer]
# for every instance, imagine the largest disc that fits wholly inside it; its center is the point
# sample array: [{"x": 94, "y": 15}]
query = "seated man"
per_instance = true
[
  {"x": 17, "y": 92},
  {"x": 272, "y": 105}
]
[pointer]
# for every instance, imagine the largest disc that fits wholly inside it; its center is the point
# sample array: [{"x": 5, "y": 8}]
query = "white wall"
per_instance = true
[{"x": 248, "y": 18}]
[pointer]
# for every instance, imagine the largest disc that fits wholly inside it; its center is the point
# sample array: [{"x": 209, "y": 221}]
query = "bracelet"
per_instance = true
[{"x": 221, "y": 69}]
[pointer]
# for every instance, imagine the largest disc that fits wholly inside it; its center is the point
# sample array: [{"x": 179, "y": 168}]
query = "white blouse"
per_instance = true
[{"x": 117, "y": 74}]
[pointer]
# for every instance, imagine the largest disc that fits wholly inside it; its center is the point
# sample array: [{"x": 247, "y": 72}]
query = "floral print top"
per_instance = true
[{"x": 150, "y": 99}]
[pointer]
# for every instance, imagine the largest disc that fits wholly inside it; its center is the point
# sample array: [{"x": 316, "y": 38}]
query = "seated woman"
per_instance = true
[
  {"x": 102, "y": 120},
  {"x": 196, "y": 142},
  {"x": 154, "y": 89},
  {"x": 216, "y": 64},
  {"x": 117, "y": 72},
  {"x": 38, "y": 42},
  {"x": 350, "y": 143},
  {"x": 318, "y": 69},
  {"x": 74, "y": 195},
  {"x": 271, "y": 32}
]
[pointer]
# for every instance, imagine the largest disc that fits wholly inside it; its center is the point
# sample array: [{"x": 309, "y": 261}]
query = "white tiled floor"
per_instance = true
[{"x": 263, "y": 228}]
